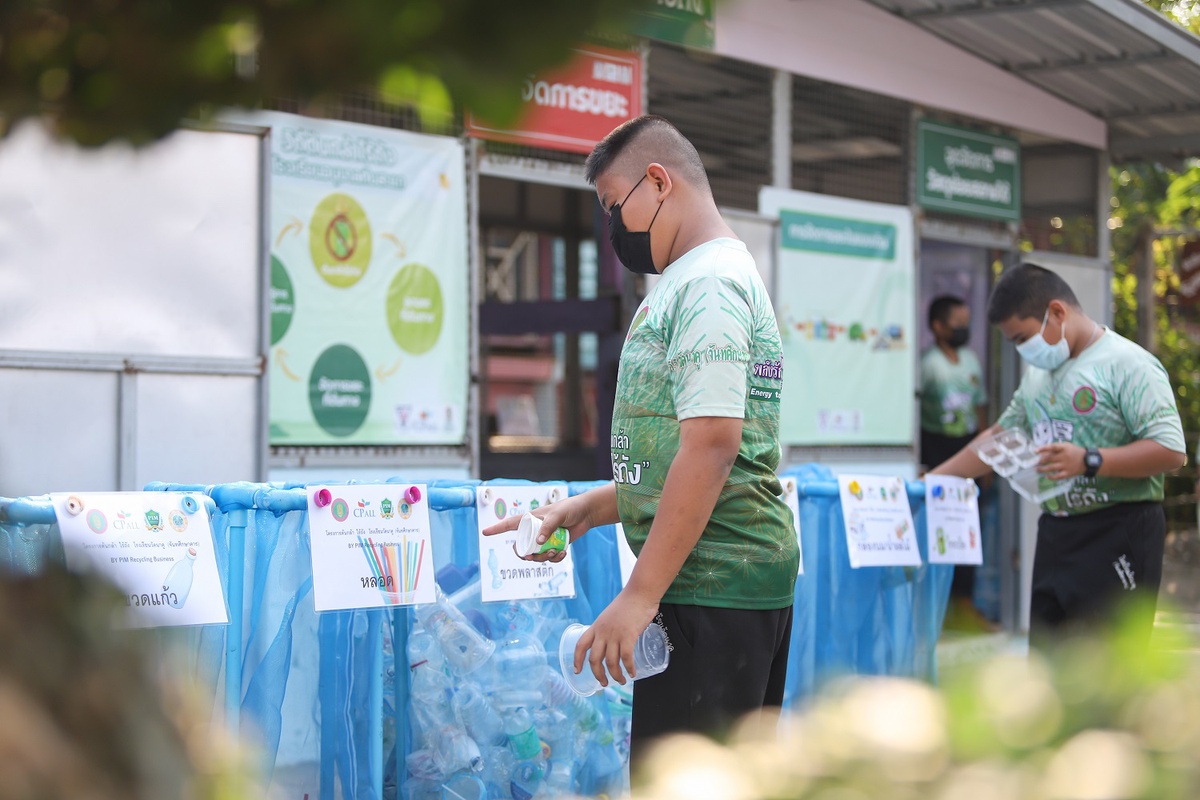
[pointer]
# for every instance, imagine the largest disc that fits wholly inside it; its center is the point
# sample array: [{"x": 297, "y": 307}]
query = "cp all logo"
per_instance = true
[{"x": 340, "y": 509}]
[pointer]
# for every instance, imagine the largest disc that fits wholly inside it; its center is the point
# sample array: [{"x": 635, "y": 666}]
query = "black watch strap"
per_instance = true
[{"x": 1091, "y": 462}]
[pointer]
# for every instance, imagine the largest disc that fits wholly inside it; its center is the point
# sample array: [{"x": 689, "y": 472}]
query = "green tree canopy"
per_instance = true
[{"x": 100, "y": 70}]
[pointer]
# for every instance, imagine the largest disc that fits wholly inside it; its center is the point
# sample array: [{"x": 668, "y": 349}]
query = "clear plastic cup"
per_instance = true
[
  {"x": 650, "y": 657},
  {"x": 527, "y": 533}
]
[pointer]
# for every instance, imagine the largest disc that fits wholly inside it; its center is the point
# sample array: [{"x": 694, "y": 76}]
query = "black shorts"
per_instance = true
[
  {"x": 724, "y": 664},
  {"x": 1085, "y": 565}
]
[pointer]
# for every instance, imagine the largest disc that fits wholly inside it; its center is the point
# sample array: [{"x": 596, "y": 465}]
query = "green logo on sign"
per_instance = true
[
  {"x": 153, "y": 521},
  {"x": 339, "y": 238},
  {"x": 414, "y": 309},
  {"x": 339, "y": 390},
  {"x": 283, "y": 300},
  {"x": 838, "y": 235}
]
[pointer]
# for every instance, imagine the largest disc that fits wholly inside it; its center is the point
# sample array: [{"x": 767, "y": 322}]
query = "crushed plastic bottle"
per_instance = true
[
  {"x": 475, "y": 713},
  {"x": 464, "y": 648}
]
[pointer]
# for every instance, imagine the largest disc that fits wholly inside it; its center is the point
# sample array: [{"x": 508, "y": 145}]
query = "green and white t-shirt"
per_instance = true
[
  {"x": 705, "y": 343},
  {"x": 950, "y": 392},
  {"x": 1112, "y": 394}
]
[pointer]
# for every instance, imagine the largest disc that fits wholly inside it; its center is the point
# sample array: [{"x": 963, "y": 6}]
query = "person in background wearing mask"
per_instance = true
[
  {"x": 953, "y": 410},
  {"x": 695, "y": 445},
  {"x": 1100, "y": 409}
]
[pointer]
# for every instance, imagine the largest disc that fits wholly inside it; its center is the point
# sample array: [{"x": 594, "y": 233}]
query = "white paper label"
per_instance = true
[
  {"x": 952, "y": 519},
  {"x": 371, "y": 546},
  {"x": 879, "y": 523},
  {"x": 503, "y": 574},
  {"x": 791, "y": 495},
  {"x": 156, "y": 547}
]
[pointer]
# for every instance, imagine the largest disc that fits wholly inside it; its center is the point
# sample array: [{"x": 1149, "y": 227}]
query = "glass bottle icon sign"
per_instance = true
[{"x": 178, "y": 582}]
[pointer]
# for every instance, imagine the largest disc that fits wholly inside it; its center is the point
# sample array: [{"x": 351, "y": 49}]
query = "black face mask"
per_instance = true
[
  {"x": 958, "y": 337},
  {"x": 632, "y": 247}
]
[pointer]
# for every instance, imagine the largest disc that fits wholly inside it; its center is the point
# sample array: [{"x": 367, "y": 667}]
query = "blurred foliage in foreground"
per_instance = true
[
  {"x": 85, "y": 711},
  {"x": 1100, "y": 719},
  {"x": 100, "y": 70}
]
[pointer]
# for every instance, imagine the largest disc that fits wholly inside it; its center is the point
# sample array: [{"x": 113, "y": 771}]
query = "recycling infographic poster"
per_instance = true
[
  {"x": 369, "y": 302},
  {"x": 371, "y": 546},
  {"x": 503, "y": 574},
  {"x": 952, "y": 517},
  {"x": 845, "y": 302},
  {"x": 879, "y": 523},
  {"x": 155, "y": 547}
]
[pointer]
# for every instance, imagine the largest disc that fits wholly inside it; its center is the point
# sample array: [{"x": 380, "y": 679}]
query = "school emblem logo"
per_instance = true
[
  {"x": 177, "y": 520},
  {"x": 153, "y": 521},
  {"x": 385, "y": 508},
  {"x": 1084, "y": 400},
  {"x": 97, "y": 521}
]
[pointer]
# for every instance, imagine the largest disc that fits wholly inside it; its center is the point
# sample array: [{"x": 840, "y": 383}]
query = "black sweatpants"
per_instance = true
[
  {"x": 724, "y": 664},
  {"x": 1085, "y": 565}
]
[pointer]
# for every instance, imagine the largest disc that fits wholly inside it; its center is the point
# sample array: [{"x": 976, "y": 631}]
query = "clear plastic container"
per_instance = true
[{"x": 1013, "y": 456}]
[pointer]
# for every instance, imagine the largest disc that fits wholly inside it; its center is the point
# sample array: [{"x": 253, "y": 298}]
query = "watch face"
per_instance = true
[{"x": 1092, "y": 460}]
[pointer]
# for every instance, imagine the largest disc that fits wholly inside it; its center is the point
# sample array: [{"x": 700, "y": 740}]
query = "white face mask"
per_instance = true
[{"x": 1038, "y": 353}]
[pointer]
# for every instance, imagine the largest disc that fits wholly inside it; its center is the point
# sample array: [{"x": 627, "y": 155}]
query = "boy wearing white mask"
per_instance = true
[{"x": 1101, "y": 409}]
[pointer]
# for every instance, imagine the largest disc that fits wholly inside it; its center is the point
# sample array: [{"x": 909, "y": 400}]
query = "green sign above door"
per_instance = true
[
  {"x": 686, "y": 22},
  {"x": 962, "y": 171}
]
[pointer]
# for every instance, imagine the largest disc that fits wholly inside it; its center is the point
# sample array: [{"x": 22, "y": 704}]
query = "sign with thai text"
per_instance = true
[
  {"x": 879, "y": 523},
  {"x": 156, "y": 547},
  {"x": 371, "y": 546},
  {"x": 952, "y": 519},
  {"x": 686, "y": 22},
  {"x": 963, "y": 171},
  {"x": 503, "y": 574},
  {"x": 845, "y": 302},
  {"x": 575, "y": 106}
]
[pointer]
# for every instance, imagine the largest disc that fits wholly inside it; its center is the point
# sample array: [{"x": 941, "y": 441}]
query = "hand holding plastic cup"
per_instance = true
[
  {"x": 527, "y": 538},
  {"x": 650, "y": 657}
]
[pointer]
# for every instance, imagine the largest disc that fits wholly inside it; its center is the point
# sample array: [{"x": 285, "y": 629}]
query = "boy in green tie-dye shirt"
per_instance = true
[
  {"x": 695, "y": 445},
  {"x": 1100, "y": 409}
]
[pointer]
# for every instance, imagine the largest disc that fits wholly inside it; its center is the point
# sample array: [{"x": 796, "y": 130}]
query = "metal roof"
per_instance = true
[{"x": 1118, "y": 59}]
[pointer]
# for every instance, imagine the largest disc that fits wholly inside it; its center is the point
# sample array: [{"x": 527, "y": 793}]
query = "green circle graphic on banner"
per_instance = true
[
  {"x": 283, "y": 300},
  {"x": 339, "y": 390},
  {"x": 414, "y": 309},
  {"x": 339, "y": 237}
]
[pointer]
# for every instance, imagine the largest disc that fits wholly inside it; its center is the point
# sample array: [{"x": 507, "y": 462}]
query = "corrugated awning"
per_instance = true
[{"x": 1117, "y": 59}]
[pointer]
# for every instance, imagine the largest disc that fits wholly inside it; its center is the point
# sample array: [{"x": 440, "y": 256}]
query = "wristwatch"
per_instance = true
[{"x": 1091, "y": 462}]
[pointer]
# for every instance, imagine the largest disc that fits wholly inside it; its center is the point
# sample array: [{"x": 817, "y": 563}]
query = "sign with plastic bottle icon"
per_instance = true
[
  {"x": 879, "y": 524},
  {"x": 368, "y": 301},
  {"x": 371, "y": 546},
  {"x": 791, "y": 496},
  {"x": 503, "y": 574},
  {"x": 952, "y": 519},
  {"x": 846, "y": 306},
  {"x": 155, "y": 547}
]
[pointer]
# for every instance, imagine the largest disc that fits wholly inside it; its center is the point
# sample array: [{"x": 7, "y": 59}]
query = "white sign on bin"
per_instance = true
[
  {"x": 952, "y": 520},
  {"x": 625, "y": 557},
  {"x": 371, "y": 546},
  {"x": 156, "y": 547},
  {"x": 503, "y": 574},
  {"x": 791, "y": 496},
  {"x": 879, "y": 523}
]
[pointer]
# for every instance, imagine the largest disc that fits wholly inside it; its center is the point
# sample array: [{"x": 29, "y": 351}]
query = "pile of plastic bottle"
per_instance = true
[{"x": 490, "y": 714}]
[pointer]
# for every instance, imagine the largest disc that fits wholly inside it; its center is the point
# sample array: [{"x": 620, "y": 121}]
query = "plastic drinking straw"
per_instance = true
[
  {"x": 369, "y": 555},
  {"x": 420, "y": 558}
]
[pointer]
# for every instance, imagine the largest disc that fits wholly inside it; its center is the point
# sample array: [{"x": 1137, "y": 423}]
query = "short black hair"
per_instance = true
[
  {"x": 1025, "y": 291},
  {"x": 940, "y": 308},
  {"x": 646, "y": 139}
]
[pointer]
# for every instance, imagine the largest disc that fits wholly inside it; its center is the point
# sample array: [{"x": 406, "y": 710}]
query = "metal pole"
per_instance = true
[{"x": 1145, "y": 290}]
